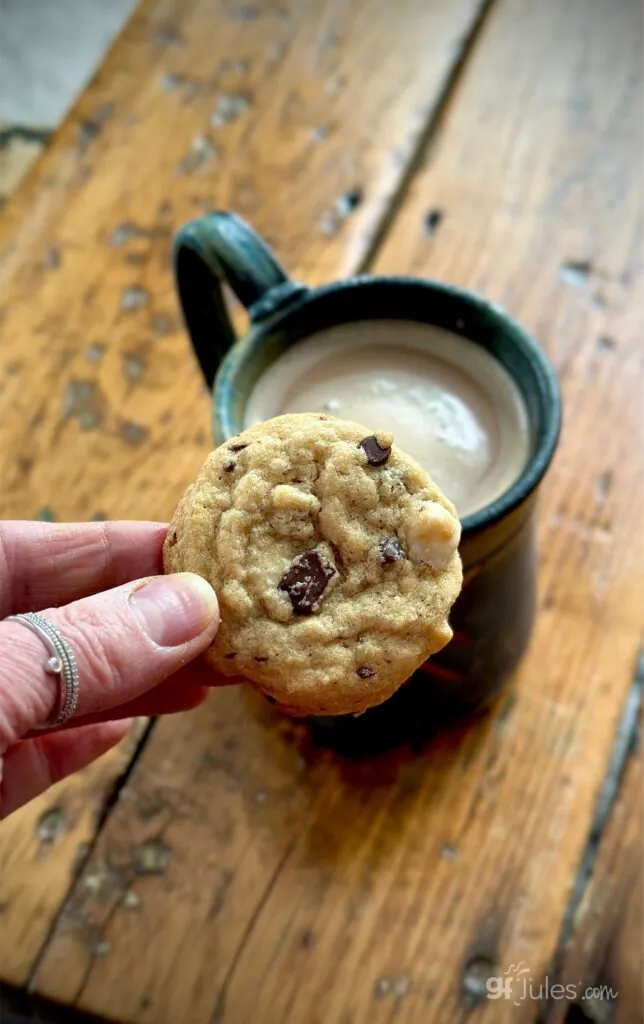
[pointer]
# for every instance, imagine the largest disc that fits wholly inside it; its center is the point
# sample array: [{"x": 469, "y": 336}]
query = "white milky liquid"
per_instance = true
[{"x": 447, "y": 402}]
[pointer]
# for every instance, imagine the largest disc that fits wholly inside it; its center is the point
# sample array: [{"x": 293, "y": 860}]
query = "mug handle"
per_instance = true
[{"x": 220, "y": 247}]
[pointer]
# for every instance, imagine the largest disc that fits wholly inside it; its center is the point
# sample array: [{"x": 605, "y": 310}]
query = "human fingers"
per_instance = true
[
  {"x": 31, "y": 766},
  {"x": 126, "y": 641},
  {"x": 45, "y": 564}
]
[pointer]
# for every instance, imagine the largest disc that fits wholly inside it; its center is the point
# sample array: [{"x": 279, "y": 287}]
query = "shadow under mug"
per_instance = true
[{"x": 492, "y": 618}]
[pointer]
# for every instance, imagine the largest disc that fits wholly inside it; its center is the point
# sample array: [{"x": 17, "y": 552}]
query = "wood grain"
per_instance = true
[
  {"x": 394, "y": 889},
  {"x": 603, "y": 960},
  {"x": 43, "y": 846},
  {"x": 223, "y": 789},
  {"x": 102, "y": 410},
  {"x": 606, "y": 952}
]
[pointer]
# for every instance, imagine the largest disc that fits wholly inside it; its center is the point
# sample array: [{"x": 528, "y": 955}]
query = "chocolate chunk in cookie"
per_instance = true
[
  {"x": 376, "y": 454},
  {"x": 306, "y": 581},
  {"x": 391, "y": 551},
  {"x": 365, "y": 672}
]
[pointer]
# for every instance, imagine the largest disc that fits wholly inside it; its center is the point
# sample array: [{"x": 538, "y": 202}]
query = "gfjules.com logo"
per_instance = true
[{"x": 518, "y": 985}]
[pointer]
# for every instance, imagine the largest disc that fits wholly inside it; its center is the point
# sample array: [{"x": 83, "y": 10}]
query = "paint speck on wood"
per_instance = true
[
  {"x": 230, "y": 106},
  {"x": 397, "y": 986},
  {"x": 52, "y": 257},
  {"x": 320, "y": 132},
  {"x": 167, "y": 37},
  {"x": 603, "y": 485},
  {"x": 576, "y": 273},
  {"x": 350, "y": 201},
  {"x": 83, "y": 402},
  {"x": 51, "y": 825},
  {"x": 382, "y": 988},
  {"x": 201, "y": 153},
  {"x": 476, "y": 974},
  {"x": 606, "y": 344},
  {"x": 133, "y": 366},
  {"x": 131, "y": 900},
  {"x": 45, "y": 514},
  {"x": 244, "y": 13},
  {"x": 172, "y": 81},
  {"x": 92, "y": 127},
  {"x": 133, "y": 433},
  {"x": 334, "y": 85},
  {"x": 432, "y": 220},
  {"x": 329, "y": 223},
  {"x": 134, "y": 297},
  {"x": 162, "y": 324},
  {"x": 95, "y": 352},
  {"x": 150, "y": 858},
  {"x": 124, "y": 233}
]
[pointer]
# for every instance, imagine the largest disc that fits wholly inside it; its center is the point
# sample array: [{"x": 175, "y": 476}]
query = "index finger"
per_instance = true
[{"x": 49, "y": 564}]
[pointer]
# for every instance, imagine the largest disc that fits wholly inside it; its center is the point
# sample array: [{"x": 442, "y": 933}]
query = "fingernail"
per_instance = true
[{"x": 175, "y": 609}]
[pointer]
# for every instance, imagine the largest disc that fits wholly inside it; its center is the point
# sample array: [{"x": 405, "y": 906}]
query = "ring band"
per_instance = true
[{"x": 61, "y": 662}]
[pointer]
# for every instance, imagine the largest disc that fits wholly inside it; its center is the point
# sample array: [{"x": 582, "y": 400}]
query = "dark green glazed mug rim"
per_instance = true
[{"x": 248, "y": 350}]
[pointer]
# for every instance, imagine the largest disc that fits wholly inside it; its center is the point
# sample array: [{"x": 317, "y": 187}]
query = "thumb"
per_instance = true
[{"x": 126, "y": 641}]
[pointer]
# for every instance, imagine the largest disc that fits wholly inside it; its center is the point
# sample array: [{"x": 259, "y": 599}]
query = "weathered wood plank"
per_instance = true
[
  {"x": 102, "y": 411},
  {"x": 42, "y": 847},
  {"x": 402, "y": 885},
  {"x": 602, "y": 958},
  {"x": 190, "y": 852}
]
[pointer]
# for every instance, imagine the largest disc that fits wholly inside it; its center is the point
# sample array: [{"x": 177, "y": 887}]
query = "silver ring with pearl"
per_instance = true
[{"x": 60, "y": 662}]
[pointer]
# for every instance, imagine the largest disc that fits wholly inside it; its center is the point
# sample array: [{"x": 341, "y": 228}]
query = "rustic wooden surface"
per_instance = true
[
  {"x": 40, "y": 849},
  {"x": 242, "y": 874},
  {"x": 605, "y": 947},
  {"x": 93, "y": 394}
]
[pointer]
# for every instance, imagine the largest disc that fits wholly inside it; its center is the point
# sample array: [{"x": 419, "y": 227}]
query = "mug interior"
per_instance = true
[{"x": 428, "y": 302}]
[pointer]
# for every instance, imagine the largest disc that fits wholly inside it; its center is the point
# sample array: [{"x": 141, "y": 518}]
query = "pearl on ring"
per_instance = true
[{"x": 54, "y": 665}]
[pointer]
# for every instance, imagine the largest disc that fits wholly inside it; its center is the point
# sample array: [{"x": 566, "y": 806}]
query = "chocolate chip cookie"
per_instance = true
[{"x": 334, "y": 557}]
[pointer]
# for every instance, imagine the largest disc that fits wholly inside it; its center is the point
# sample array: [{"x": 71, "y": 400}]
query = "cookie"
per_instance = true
[{"x": 334, "y": 558}]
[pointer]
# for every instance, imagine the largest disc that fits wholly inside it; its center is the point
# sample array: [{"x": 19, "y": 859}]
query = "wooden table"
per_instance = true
[{"x": 220, "y": 868}]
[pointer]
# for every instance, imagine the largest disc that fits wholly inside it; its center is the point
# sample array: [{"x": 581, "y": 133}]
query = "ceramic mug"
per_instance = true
[{"x": 493, "y": 616}]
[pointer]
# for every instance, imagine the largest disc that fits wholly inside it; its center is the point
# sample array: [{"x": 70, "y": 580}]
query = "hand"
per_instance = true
[{"x": 133, "y": 643}]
